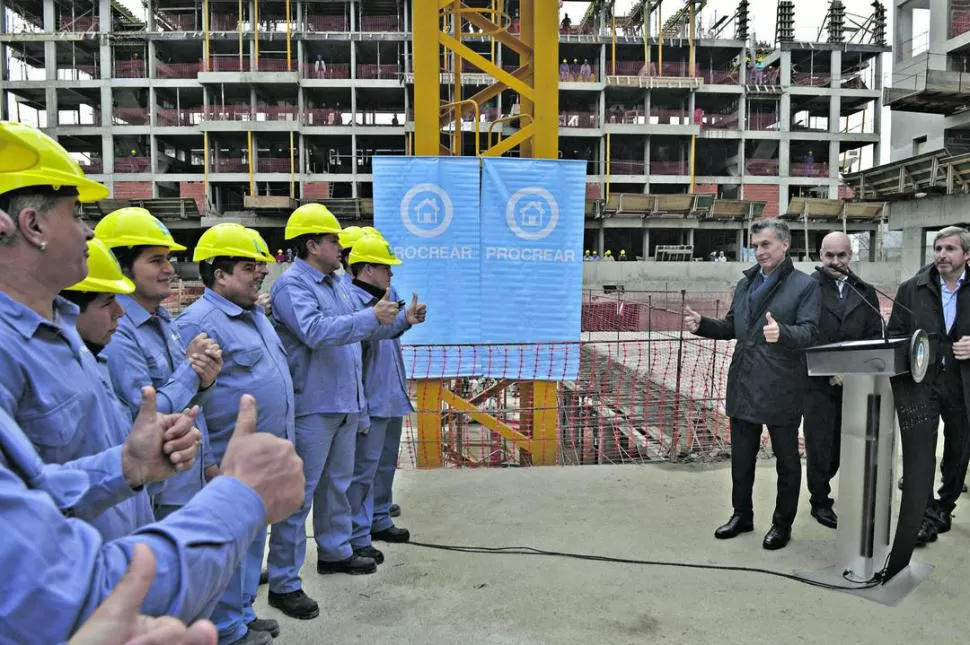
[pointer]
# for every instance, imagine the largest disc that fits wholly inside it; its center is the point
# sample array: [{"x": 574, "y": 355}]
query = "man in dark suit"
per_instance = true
[
  {"x": 844, "y": 316},
  {"x": 937, "y": 300},
  {"x": 773, "y": 317}
]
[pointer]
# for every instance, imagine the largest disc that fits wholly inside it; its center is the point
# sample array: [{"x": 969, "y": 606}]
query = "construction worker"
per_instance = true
[
  {"x": 232, "y": 264},
  {"x": 587, "y": 257},
  {"x": 57, "y": 567},
  {"x": 321, "y": 327},
  {"x": 347, "y": 237},
  {"x": 148, "y": 350},
  {"x": 280, "y": 256},
  {"x": 95, "y": 323},
  {"x": 385, "y": 386},
  {"x": 608, "y": 256},
  {"x": 623, "y": 257}
]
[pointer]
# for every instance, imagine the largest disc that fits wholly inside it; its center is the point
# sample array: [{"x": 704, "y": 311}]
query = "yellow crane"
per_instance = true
[{"x": 437, "y": 27}]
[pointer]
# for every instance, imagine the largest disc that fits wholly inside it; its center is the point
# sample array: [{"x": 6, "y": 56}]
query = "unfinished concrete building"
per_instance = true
[{"x": 246, "y": 108}]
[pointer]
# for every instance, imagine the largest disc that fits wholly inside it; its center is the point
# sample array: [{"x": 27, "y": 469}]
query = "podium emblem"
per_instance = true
[{"x": 919, "y": 355}]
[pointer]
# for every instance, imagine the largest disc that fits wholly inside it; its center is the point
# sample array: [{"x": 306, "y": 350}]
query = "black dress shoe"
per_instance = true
[
  {"x": 264, "y": 577},
  {"x": 267, "y": 625},
  {"x": 355, "y": 565},
  {"x": 393, "y": 534},
  {"x": 777, "y": 537},
  {"x": 735, "y": 526},
  {"x": 295, "y": 604},
  {"x": 370, "y": 552},
  {"x": 826, "y": 517},
  {"x": 395, "y": 510},
  {"x": 941, "y": 518},
  {"x": 927, "y": 532}
]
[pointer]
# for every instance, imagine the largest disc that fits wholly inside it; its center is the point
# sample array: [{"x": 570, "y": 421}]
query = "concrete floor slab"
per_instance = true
[{"x": 652, "y": 512}]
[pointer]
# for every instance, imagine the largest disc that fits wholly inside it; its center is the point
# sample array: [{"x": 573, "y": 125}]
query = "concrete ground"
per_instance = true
[{"x": 650, "y": 512}]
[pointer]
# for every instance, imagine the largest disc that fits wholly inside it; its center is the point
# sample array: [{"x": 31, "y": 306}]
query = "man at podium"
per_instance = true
[
  {"x": 844, "y": 316},
  {"x": 937, "y": 299}
]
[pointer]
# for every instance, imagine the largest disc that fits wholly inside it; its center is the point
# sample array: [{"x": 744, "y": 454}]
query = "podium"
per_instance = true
[{"x": 864, "y": 539}]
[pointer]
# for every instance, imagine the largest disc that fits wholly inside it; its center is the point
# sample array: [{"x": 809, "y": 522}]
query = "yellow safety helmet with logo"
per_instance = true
[
  {"x": 311, "y": 219},
  {"x": 104, "y": 272},
  {"x": 373, "y": 250},
  {"x": 230, "y": 240},
  {"x": 28, "y": 157},
  {"x": 134, "y": 226}
]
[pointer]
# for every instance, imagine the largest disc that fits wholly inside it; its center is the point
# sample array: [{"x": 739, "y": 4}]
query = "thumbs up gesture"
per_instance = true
[
  {"x": 386, "y": 309},
  {"x": 417, "y": 312},
  {"x": 771, "y": 330},
  {"x": 159, "y": 445},
  {"x": 692, "y": 320}
]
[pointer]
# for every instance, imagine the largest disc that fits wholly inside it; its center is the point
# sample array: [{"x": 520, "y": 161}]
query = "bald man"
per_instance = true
[{"x": 844, "y": 317}]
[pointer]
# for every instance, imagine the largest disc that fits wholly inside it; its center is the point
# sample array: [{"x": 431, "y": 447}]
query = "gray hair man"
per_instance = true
[
  {"x": 774, "y": 317},
  {"x": 937, "y": 300}
]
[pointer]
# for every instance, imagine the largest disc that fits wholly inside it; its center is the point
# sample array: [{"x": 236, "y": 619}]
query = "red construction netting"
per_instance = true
[
  {"x": 761, "y": 167},
  {"x": 273, "y": 164},
  {"x": 178, "y": 70},
  {"x": 322, "y": 116},
  {"x": 809, "y": 169},
  {"x": 133, "y": 164},
  {"x": 325, "y": 70},
  {"x": 763, "y": 121},
  {"x": 391, "y": 71},
  {"x": 379, "y": 23},
  {"x": 578, "y": 120},
  {"x": 129, "y": 69}
]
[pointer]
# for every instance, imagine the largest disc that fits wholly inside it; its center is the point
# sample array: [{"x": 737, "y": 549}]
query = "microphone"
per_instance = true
[
  {"x": 852, "y": 281},
  {"x": 852, "y": 275}
]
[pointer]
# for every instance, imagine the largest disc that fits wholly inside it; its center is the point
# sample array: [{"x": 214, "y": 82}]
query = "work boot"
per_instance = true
[
  {"x": 393, "y": 534},
  {"x": 355, "y": 565},
  {"x": 370, "y": 552},
  {"x": 295, "y": 604},
  {"x": 267, "y": 625}
]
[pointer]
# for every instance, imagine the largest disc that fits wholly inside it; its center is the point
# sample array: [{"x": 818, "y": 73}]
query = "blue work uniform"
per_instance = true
[
  {"x": 148, "y": 350},
  {"x": 321, "y": 325},
  {"x": 385, "y": 386},
  {"x": 253, "y": 362},
  {"x": 52, "y": 387},
  {"x": 57, "y": 570}
]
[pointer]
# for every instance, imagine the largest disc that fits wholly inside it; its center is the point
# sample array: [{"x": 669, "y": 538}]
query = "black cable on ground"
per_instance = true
[{"x": 528, "y": 550}]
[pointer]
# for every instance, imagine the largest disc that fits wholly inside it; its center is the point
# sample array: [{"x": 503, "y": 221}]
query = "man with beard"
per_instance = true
[
  {"x": 773, "y": 317},
  {"x": 232, "y": 264},
  {"x": 844, "y": 316},
  {"x": 937, "y": 300}
]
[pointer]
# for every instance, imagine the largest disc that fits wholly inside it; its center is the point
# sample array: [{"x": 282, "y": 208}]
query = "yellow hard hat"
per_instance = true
[
  {"x": 311, "y": 219},
  {"x": 608, "y": 252},
  {"x": 370, "y": 230},
  {"x": 350, "y": 235},
  {"x": 28, "y": 157},
  {"x": 230, "y": 240},
  {"x": 373, "y": 250},
  {"x": 279, "y": 250},
  {"x": 134, "y": 226},
  {"x": 104, "y": 272}
]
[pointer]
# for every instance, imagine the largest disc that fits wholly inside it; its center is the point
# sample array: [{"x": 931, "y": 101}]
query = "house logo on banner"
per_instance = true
[
  {"x": 532, "y": 213},
  {"x": 426, "y": 210}
]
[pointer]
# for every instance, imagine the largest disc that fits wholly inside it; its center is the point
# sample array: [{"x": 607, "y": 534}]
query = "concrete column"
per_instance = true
[
  {"x": 835, "y": 114},
  {"x": 872, "y": 245},
  {"x": 601, "y": 239},
  {"x": 646, "y": 244},
  {"x": 353, "y": 20},
  {"x": 912, "y": 251},
  {"x": 784, "y": 157},
  {"x": 105, "y": 53},
  {"x": 152, "y": 63},
  {"x": 353, "y": 59},
  {"x": 836, "y": 80},
  {"x": 784, "y": 106},
  {"x": 902, "y": 32},
  {"x": 785, "y": 78},
  {"x": 739, "y": 243},
  {"x": 50, "y": 67},
  {"x": 834, "y": 167},
  {"x": 689, "y": 236}
]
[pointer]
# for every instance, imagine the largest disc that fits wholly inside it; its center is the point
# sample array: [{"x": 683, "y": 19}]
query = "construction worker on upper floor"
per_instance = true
[{"x": 147, "y": 350}]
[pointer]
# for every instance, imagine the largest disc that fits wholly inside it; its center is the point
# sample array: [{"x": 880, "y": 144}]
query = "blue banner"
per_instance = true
[
  {"x": 428, "y": 209},
  {"x": 532, "y": 262}
]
